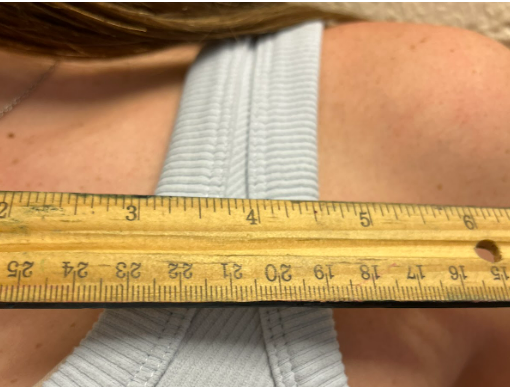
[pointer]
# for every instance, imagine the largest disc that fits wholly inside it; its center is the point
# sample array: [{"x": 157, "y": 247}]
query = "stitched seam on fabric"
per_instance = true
[
  {"x": 217, "y": 137},
  {"x": 264, "y": 176},
  {"x": 255, "y": 157},
  {"x": 133, "y": 379},
  {"x": 261, "y": 149},
  {"x": 232, "y": 122},
  {"x": 286, "y": 346},
  {"x": 286, "y": 358},
  {"x": 279, "y": 377},
  {"x": 252, "y": 46},
  {"x": 220, "y": 145}
]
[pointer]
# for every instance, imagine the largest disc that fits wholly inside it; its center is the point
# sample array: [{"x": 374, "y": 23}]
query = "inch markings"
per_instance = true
[{"x": 148, "y": 249}]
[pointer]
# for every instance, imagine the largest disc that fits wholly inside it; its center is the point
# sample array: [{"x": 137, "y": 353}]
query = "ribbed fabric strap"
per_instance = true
[{"x": 246, "y": 128}]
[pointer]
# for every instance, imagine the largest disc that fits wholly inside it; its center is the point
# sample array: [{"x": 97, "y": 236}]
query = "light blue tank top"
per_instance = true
[{"x": 246, "y": 128}]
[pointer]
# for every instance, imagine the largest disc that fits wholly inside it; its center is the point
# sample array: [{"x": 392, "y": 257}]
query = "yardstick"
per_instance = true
[{"x": 85, "y": 250}]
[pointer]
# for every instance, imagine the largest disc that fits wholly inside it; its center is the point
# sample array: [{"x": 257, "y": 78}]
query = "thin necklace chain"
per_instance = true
[{"x": 9, "y": 107}]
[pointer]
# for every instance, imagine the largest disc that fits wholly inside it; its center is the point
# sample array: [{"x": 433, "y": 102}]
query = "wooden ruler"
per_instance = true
[{"x": 83, "y": 250}]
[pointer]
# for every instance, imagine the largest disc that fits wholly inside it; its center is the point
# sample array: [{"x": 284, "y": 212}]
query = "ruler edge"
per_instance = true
[
  {"x": 334, "y": 304},
  {"x": 135, "y": 196}
]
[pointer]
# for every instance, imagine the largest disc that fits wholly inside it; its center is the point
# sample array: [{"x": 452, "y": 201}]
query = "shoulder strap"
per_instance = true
[
  {"x": 246, "y": 128},
  {"x": 247, "y": 121}
]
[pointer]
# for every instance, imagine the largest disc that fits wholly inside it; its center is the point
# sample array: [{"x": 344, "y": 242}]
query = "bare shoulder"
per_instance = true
[
  {"x": 378, "y": 47},
  {"x": 433, "y": 347},
  {"x": 416, "y": 114}
]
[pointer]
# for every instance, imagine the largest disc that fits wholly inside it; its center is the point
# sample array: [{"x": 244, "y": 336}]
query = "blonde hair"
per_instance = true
[{"x": 107, "y": 30}]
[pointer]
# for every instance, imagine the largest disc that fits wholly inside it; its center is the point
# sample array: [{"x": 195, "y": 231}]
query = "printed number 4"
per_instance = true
[{"x": 251, "y": 217}]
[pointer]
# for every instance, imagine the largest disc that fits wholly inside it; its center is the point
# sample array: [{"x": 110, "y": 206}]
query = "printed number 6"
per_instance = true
[{"x": 469, "y": 222}]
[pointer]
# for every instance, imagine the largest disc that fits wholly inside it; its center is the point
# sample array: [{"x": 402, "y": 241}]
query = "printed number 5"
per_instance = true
[{"x": 364, "y": 220}]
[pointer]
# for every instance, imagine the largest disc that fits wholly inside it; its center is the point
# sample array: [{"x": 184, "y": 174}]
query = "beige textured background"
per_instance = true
[{"x": 491, "y": 19}]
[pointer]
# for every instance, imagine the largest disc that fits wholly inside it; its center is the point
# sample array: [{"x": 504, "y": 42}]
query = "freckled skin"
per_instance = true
[
  {"x": 396, "y": 124},
  {"x": 428, "y": 125}
]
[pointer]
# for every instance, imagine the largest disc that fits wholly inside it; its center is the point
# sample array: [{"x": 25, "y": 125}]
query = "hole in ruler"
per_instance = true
[{"x": 488, "y": 250}]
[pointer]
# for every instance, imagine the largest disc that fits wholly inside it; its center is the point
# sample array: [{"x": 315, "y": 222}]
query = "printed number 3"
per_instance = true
[{"x": 133, "y": 213}]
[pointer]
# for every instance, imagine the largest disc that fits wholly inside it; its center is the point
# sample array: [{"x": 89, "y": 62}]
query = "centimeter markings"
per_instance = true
[
  {"x": 85, "y": 248},
  {"x": 110, "y": 293}
]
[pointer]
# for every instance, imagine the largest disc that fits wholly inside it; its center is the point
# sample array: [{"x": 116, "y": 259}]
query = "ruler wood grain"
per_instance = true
[{"x": 84, "y": 250}]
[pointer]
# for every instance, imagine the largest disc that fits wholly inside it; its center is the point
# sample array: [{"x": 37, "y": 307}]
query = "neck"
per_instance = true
[{"x": 18, "y": 72}]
